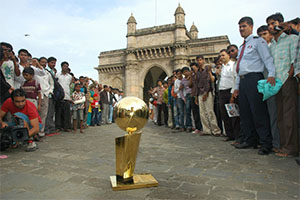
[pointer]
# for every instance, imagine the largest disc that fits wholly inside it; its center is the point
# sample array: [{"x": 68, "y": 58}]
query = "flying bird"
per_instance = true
[{"x": 26, "y": 35}]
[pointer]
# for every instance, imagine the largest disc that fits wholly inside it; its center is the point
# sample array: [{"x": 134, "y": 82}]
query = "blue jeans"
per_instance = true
[
  {"x": 99, "y": 116},
  {"x": 188, "y": 111},
  {"x": 111, "y": 110},
  {"x": 95, "y": 119},
  {"x": 176, "y": 113},
  {"x": 181, "y": 105}
]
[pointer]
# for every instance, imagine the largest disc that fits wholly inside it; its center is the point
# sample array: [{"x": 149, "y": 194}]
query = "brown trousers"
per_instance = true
[{"x": 287, "y": 120}]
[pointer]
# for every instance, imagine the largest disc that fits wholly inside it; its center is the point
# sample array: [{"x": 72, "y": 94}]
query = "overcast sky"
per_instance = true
[{"x": 78, "y": 30}]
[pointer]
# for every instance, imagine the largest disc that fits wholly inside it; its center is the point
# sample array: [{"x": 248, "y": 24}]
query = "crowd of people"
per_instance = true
[
  {"x": 48, "y": 100},
  {"x": 198, "y": 98},
  {"x": 202, "y": 98}
]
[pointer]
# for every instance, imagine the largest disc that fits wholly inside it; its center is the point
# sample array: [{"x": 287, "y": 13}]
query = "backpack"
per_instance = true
[{"x": 58, "y": 91}]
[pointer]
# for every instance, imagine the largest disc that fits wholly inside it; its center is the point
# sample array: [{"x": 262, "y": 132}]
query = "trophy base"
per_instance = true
[{"x": 139, "y": 181}]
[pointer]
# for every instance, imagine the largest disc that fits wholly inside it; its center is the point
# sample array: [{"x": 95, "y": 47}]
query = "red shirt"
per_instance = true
[
  {"x": 31, "y": 89},
  {"x": 29, "y": 109},
  {"x": 95, "y": 102}
]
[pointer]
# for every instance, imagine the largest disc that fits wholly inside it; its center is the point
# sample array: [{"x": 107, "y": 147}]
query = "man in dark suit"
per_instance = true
[{"x": 104, "y": 96}]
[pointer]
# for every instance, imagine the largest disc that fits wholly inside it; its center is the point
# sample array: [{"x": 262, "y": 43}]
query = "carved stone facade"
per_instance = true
[{"x": 149, "y": 50}]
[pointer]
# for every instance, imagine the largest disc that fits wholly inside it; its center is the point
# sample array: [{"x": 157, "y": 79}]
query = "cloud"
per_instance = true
[{"x": 77, "y": 31}]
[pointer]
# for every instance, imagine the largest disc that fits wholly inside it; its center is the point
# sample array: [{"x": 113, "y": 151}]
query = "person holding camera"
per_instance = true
[
  {"x": 9, "y": 65},
  {"x": 283, "y": 50},
  {"x": 19, "y": 107}
]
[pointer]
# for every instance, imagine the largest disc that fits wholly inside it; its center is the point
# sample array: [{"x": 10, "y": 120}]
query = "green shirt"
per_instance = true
[
  {"x": 283, "y": 52},
  {"x": 165, "y": 96}
]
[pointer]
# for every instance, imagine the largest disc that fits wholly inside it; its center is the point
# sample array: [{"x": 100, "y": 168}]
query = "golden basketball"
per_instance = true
[{"x": 131, "y": 114}]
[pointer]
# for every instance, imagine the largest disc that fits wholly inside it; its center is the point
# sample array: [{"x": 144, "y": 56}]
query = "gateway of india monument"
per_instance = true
[{"x": 153, "y": 53}]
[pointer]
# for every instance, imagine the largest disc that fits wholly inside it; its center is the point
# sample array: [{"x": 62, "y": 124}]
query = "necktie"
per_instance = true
[{"x": 240, "y": 57}]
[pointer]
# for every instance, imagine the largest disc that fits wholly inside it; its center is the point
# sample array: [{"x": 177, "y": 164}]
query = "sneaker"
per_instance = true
[
  {"x": 32, "y": 146},
  {"x": 196, "y": 131},
  {"x": 41, "y": 134}
]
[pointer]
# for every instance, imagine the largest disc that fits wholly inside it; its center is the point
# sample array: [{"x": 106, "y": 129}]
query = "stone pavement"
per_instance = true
[{"x": 187, "y": 166}]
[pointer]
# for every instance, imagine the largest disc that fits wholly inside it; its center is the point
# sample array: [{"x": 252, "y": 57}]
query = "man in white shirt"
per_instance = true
[
  {"x": 227, "y": 77},
  {"x": 49, "y": 124},
  {"x": 47, "y": 86},
  {"x": 63, "y": 112},
  {"x": 180, "y": 102}
]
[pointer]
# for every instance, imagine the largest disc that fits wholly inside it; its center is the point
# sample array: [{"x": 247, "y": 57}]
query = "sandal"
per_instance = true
[
  {"x": 235, "y": 143},
  {"x": 14, "y": 146},
  {"x": 203, "y": 134},
  {"x": 283, "y": 155},
  {"x": 275, "y": 150},
  {"x": 227, "y": 140}
]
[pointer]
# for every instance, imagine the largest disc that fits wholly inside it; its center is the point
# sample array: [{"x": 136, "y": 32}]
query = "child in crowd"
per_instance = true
[
  {"x": 32, "y": 88},
  {"x": 78, "y": 99},
  {"x": 95, "y": 108}
]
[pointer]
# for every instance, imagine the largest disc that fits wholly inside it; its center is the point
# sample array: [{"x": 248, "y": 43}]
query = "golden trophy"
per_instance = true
[{"x": 131, "y": 114}]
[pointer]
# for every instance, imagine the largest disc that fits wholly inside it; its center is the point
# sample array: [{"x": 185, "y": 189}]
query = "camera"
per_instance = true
[
  {"x": 11, "y": 135},
  {"x": 278, "y": 28},
  {"x": 1, "y": 52}
]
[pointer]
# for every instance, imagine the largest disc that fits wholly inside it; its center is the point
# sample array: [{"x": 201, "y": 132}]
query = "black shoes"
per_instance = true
[
  {"x": 263, "y": 151},
  {"x": 297, "y": 161},
  {"x": 245, "y": 145}
]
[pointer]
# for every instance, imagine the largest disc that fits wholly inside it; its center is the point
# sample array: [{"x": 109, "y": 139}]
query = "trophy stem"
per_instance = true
[{"x": 126, "y": 153}]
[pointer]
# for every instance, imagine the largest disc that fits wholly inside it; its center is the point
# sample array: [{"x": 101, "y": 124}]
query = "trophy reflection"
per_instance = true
[{"x": 131, "y": 115}]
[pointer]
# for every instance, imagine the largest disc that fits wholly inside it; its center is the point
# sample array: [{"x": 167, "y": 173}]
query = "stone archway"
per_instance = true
[
  {"x": 154, "y": 73},
  {"x": 117, "y": 83}
]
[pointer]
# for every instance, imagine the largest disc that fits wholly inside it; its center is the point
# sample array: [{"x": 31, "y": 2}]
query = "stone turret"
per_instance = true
[
  {"x": 179, "y": 16},
  {"x": 180, "y": 57},
  {"x": 194, "y": 32},
  {"x": 131, "y": 29}
]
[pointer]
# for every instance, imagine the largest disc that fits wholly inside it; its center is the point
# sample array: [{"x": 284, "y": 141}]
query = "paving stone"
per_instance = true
[
  {"x": 226, "y": 183},
  {"x": 72, "y": 191},
  {"x": 199, "y": 190},
  {"x": 190, "y": 179},
  {"x": 269, "y": 195},
  {"x": 260, "y": 187},
  {"x": 20, "y": 194},
  {"x": 28, "y": 182},
  {"x": 168, "y": 193},
  {"x": 228, "y": 192}
]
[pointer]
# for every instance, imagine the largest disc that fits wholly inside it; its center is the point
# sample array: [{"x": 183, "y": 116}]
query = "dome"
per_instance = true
[
  {"x": 179, "y": 10},
  {"x": 131, "y": 19},
  {"x": 193, "y": 28}
]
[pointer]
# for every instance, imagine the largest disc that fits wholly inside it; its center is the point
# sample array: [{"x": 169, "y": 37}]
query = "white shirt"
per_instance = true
[
  {"x": 176, "y": 87},
  {"x": 8, "y": 70},
  {"x": 46, "y": 83},
  {"x": 228, "y": 74},
  {"x": 108, "y": 97},
  {"x": 65, "y": 81},
  {"x": 117, "y": 98}
]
